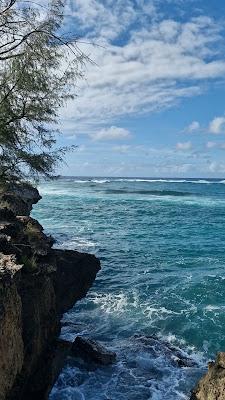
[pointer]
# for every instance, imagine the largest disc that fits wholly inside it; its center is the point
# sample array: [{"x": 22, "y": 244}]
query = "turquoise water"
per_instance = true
[{"x": 162, "y": 250}]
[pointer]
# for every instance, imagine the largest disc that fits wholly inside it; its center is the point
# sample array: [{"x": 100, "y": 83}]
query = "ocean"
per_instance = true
[{"x": 160, "y": 293}]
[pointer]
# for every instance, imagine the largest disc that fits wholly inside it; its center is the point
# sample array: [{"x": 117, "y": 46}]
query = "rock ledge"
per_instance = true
[
  {"x": 212, "y": 385},
  {"x": 37, "y": 285}
]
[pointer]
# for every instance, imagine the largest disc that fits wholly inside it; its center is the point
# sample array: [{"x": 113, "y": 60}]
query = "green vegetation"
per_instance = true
[{"x": 38, "y": 73}]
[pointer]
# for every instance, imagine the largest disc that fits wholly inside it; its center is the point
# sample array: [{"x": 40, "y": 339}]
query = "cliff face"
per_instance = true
[
  {"x": 212, "y": 385},
  {"x": 37, "y": 285}
]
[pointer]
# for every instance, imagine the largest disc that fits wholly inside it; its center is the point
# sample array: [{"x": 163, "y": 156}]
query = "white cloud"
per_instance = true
[
  {"x": 193, "y": 127},
  {"x": 184, "y": 146},
  {"x": 103, "y": 19},
  {"x": 124, "y": 148},
  {"x": 160, "y": 62},
  {"x": 217, "y": 125},
  {"x": 112, "y": 133},
  {"x": 211, "y": 145},
  {"x": 144, "y": 160},
  {"x": 217, "y": 167}
]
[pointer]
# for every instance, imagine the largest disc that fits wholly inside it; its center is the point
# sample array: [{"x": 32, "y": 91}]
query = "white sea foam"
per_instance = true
[
  {"x": 147, "y": 180},
  {"x": 212, "y": 308},
  {"x": 80, "y": 181},
  {"x": 157, "y": 312},
  {"x": 77, "y": 243},
  {"x": 155, "y": 180},
  {"x": 46, "y": 191},
  {"x": 202, "y": 181},
  {"x": 52, "y": 190},
  {"x": 113, "y": 316},
  {"x": 151, "y": 180},
  {"x": 111, "y": 303},
  {"x": 140, "y": 370},
  {"x": 137, "y": 360},
  {"x": 100, "y": 180},
  {"x": 91, "y": 180}
]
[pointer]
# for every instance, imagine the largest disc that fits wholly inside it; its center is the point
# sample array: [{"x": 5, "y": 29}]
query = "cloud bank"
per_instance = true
[{"x": 144, "y": 64}]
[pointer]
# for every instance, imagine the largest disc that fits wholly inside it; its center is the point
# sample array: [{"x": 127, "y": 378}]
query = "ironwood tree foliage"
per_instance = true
[{"x": 38, "y": 69}]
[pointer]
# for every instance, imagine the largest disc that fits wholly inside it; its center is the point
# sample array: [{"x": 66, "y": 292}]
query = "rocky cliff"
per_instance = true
[
  {"x": 212, "y": 385},
  {"x": 37, "y": 285}
]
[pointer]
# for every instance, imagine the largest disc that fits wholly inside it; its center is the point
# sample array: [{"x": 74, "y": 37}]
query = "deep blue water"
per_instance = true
[{"x": 162, "y": 250}]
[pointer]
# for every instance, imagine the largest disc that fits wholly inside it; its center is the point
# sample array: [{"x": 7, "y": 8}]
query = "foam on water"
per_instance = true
[
  {"x": 77, "y": 243},
  {"x": 160, "y": 294},
  {"x": 145, "y": 369},
  {"x": 166, "y": 180}
]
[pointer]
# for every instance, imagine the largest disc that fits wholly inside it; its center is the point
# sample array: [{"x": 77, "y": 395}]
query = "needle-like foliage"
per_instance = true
[{"x": 38, "y": 72}]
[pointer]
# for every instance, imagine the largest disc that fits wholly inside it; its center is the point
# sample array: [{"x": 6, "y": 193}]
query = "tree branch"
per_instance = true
[{"x": 11, "y": 3}]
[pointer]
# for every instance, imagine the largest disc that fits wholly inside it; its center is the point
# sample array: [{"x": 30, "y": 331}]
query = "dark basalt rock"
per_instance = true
[
  {"x": 155, "y": 345},
  {"x": 6, "y": 246},
  {"x": 7, "y": 215},
  {"x": 68, "y": 278},
  {"x": 64, "y": 349},
  {"x": 37, "y": 285},
  {"x": 93, "y": 351},
  {"x": 34, "y": 236},
  {"x": 8, "y": 228}
]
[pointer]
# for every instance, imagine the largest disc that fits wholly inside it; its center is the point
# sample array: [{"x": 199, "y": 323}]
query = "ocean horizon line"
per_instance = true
[{"x": 140, "y": 177}]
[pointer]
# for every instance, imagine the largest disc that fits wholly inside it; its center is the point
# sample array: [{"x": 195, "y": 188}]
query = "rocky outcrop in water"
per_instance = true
[
  {"x": 155, "y": 346},
  {"x": 37, "y": 285},
  {"x": 91, "y": 350},
  {"x": 212, "y": 385}
]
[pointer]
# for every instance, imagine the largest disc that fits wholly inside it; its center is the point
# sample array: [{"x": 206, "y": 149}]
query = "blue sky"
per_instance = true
[{"x": 154, "y": 103}]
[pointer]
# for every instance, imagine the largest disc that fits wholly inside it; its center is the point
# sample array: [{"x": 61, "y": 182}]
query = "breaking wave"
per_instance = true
[
  {"x": 158, "y": 301},
  {"x": 150, "y": 180}
]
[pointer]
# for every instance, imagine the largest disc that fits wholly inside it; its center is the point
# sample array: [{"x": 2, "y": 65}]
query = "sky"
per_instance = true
[{"x": 152, "y": 103}]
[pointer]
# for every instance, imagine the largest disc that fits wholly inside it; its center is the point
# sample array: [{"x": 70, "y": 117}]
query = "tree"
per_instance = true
[{"x": 38, "y": 69}]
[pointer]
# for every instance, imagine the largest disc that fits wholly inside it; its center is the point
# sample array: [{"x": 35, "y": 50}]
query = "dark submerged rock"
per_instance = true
[
  {"x": 155, "y": 345},
  {"x": 92, "y": 350}
]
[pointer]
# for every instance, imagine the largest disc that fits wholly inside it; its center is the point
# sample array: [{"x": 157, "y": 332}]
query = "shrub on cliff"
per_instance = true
[{"x": 38, "y": 68}]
